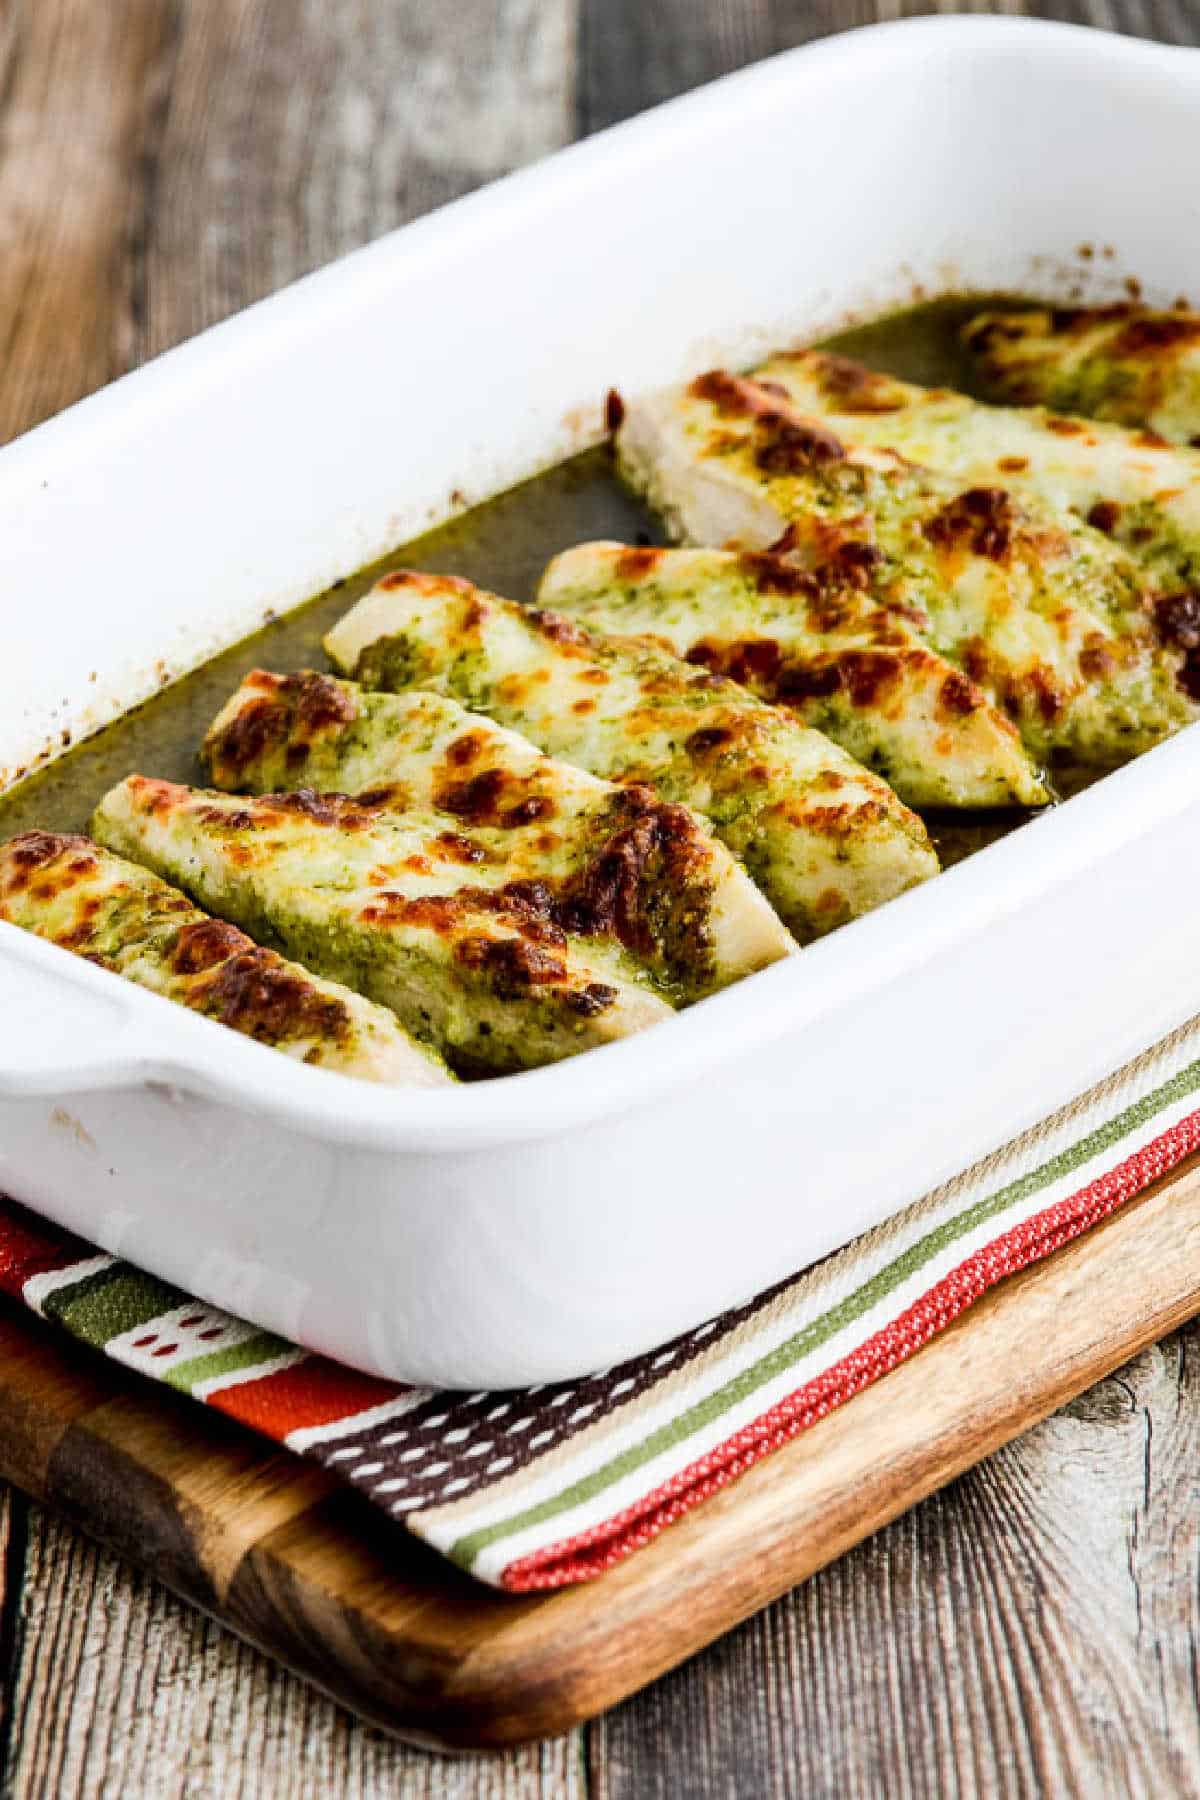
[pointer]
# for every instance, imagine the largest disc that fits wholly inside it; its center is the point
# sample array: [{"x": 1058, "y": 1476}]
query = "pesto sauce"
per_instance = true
[{"x": 503, "y": 545}]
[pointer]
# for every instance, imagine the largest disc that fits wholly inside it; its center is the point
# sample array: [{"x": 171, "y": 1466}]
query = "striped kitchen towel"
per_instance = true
[{"x": 540, "y": 1487}]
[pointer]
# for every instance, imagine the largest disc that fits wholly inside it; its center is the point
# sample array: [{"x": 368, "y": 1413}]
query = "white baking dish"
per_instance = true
[{"x": 552, "y": 1222}]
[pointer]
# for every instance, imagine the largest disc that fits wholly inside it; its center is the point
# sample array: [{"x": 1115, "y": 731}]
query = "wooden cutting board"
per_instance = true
[{"x": 308, "y": 1571}]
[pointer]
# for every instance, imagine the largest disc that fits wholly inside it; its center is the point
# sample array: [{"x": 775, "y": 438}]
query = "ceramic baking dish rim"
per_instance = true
[{"x": 152, "y": 1040}]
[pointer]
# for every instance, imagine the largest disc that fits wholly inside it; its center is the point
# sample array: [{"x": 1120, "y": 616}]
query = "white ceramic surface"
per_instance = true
[{"x": 552, "y": 1222}]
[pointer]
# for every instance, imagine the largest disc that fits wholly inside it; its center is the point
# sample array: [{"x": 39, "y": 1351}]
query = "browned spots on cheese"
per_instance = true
[
  {"x": 856, "y": 389},
  {"x": 340, "y": 812},
  {"x": 289, "y": 711},
  {"x": 1105, "y": 515},
  {"x": 734, "y": 397},
  {"x": 158, "y": 798},
  {"x": 752, "y": 661},
  {"x": 976, "y": 660},
  {"x": 1040, "y": 686},
  {"x": 869, "y": 675},
  {"x": 80, "y": 938},
  {"x": 205, "y": 943},
  {"x": 595, "y": 998},
  {"x": 787, "y": 443},
  {"x": 773, "y": 574},
  {"x": 392, "y": 797},
  {"x": 25, "y": 856},
  {"x": 1177, "y": 621},
  {"x": 655, "y": 843},
  {"x": 982, "y": 520},
  {"x": 467, "y": 749},
  {"x": 242, "y": 820},
  {"x": 853, "y": 562},
  {"x": 1065, "y": 427},
  {"x": 513, "y": 964},
  {"x": 865, "y": 677},
  {"x": 530, "y": 810},
  {"x": 638, "y": 561},
  {"x": 476, "y": 799},
  {"x": 815, "y": 680},
  {"x": 1096, "y": 659},
  {"x": 446, "y": 914},
  {"x": 558, "y": 628},
  {"x": 787, "y": 447},
  {"x": 259, "y": 995},
  {"x": 456, "y": 848},
  {"x": 423, "y": 583},
  {"x": 1013, "y": 465},
  {"x": 849, "y": 820},
  {"x": 788, "y": 540},
  {"x": 958, "y": 696},
  {"x": 1154, "y": 333},
  {"x": 252, "y": 990},
  {"x": 708, "y": 739},
  {"x": 494, "y": 797}
]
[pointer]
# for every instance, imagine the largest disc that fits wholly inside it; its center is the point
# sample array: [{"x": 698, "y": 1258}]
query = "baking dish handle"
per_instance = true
[
  {"x": 64, "y": 1029},
  {"x": 73, "y": 1067}
]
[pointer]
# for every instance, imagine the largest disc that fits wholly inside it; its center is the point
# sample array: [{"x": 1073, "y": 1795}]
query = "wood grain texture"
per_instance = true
[
  {"x": 633, "y": 56},
  {"x": 307, "y": 1570},
  {"x": 163, "y": 162},
  {"x": 1029, "y": 1631},
  {"x": 79, "y": 87},
  {"x": 124, "y": 1691},
  {"x": 294, "y": 133}
]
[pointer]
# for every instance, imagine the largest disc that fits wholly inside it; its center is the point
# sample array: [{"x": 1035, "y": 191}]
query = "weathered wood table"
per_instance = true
[{"x": 1033, "y": 1629}]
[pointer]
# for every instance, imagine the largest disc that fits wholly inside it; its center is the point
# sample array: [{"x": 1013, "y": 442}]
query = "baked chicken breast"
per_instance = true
[
  {"x": 1139, "y": 492},
  {"x": 676, "y": 896},
  {"x": 823, "y": 838},
  {"x": 68, "y": 890},
  {"x": 411, "y": 910},
  {"x": 844, "y": 663},
  {"x": 1129, "y": 364},
  {"x": 1039, "y": 610}
]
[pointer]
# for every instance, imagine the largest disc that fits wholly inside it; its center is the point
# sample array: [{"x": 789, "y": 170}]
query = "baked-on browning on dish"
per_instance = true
[
  {"x": 1130, "y": 364},
  {"x": 68, "y": 890},
  {"x": 406, "y": 908},
  {"x": 1044, "y": 613},
  {"x": 823, "y": 838},
  {"x": 832, "y": 653},
  {"x": 675, "y": 894},
  {"x": 1139, "y": 491}
]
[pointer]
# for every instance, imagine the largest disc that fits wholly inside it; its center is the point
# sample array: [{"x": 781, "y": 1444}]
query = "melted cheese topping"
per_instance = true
[
  {"x": 824, "y": 839},
  {"x": 1037, "y": 609},
  {"x": 68, "y": 891},
  {"x": 677, "y": 897},
  {"x": 1138, "y": 493},
  {"x": 431, "y": 925},
  {"x": 850, "y": 667},
  {"x": 1126, "y": 364}
]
